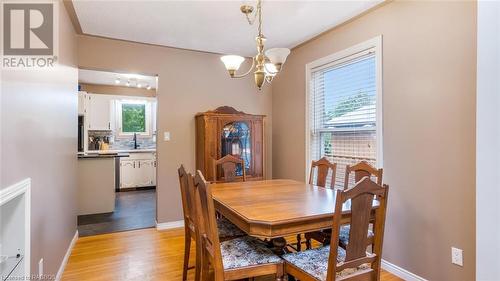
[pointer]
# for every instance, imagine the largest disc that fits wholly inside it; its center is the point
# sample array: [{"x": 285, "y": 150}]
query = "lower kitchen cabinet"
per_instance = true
[
  {"x": 139, "y": 170},
  {"x": 146, "y": 173},
  {"x": 127, "y": 174}
]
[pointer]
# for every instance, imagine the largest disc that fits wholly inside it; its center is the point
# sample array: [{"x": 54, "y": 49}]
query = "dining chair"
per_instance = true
[
  {"x": 360, "y": 170},
  {"x": 319, "y": 176},
  {"x": 331, "y": 262},
  {"x": 228, "y": 164},
  {"x": 190, "y": 230},
  {"x": 227, "y": 230},
  {"x": 234, "y": 259}
]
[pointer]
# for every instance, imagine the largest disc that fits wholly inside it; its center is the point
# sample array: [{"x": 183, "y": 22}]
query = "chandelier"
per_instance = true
[{"x": 266, "y": 64}]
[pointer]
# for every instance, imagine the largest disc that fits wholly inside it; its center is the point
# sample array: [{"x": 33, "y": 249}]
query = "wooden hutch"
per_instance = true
[{"x": 226, "y": 130}]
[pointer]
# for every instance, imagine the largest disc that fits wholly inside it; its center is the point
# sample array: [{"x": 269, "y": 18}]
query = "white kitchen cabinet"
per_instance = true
[
  {"x": 127, "y": 174},
  {"x": 99, "y": 112},
  {"x": 138, "y": 170},
  {"x": 146, "y": 172},
  {"x": 82, "y": 102}
]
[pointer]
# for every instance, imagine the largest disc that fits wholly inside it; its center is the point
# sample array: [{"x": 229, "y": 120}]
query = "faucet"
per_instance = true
[{"x": 135, "y": 141}]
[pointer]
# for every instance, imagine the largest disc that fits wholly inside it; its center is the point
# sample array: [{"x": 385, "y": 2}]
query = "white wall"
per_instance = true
[{"x": 488, "y": 142}]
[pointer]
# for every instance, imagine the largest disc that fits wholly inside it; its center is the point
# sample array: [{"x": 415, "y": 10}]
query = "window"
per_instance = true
[
  {"x": 344, "y": 108},
  {"x": 133, "y": 116}
]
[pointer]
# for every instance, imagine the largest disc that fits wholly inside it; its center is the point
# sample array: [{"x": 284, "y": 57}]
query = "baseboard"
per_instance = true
[
  {"x": 169, "y": 225},
  {"x": 66, "y": 257},
  {"x": 401, "y": 272}
]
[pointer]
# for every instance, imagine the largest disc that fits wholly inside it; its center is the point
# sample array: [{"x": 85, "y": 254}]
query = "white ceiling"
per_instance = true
[
  {"x": 214, "y": 26},
  {"x": 109, "y": 78}
]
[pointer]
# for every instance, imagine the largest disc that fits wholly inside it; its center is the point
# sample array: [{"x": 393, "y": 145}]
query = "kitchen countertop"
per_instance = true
[{"x": 102, "y": 155}]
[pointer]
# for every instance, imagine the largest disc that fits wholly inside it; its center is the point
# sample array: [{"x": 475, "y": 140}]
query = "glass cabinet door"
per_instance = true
[{"x": 236, "y": 140}]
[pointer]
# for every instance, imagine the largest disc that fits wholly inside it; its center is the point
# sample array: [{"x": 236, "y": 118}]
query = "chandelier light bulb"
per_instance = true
[
  {"x": 232, "y": 62},
  {"x": 271, "y": 69},
  {"x": 277, "y": 55}
]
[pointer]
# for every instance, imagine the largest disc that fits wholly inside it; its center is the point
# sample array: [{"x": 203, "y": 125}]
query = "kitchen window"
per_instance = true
[
  {"x": 133, "y": 116},
  {"x": 344, "y": 108}
]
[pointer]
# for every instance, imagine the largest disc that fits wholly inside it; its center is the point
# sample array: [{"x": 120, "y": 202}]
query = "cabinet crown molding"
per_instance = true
[{"x": 226, "y": 110}]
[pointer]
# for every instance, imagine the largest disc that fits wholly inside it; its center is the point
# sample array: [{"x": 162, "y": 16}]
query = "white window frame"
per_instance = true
[
  {"x": 374, "y": 44},
  {"x": 149, "y": 117}
]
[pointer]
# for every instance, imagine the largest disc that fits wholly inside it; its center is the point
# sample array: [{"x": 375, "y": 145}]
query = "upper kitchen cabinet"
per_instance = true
[
  {"x": 82, "y": 102},
  {"x": 99, "y": 112}
]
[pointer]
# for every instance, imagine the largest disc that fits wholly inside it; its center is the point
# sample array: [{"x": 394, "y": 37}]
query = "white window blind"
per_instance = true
[{"x": 343, "y": 112}]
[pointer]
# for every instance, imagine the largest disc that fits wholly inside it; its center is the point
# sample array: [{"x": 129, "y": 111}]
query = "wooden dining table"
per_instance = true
[{"x": 277, "y": 208}]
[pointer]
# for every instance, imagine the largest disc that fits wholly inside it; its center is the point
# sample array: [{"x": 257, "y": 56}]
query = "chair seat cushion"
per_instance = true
[
  {"x": 246, "y": 251},
  {"x": 344, "y": 235},
  {"x": 227, "y": 229},
  {"x": 315, "y": 262}
]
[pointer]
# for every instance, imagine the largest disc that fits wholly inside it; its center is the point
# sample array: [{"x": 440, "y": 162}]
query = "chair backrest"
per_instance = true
[
  {"x": 207, "y": 229},
  {"x": 361, "y": 170},
  {"x": 322, "y": 167},
  {"x": 361, "y": 198},
  {"x": 188, "y": 199},
  {"x": 228, "y": 164}
]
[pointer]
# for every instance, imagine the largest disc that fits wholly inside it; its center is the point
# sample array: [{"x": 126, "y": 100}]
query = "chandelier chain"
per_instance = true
[
  {"x": 256, "y": 16},
  {"x": 259, "y": 10}
]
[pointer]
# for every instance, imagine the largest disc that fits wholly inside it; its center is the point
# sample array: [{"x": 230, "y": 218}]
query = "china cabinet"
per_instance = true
[{"x": 224, "y": 131}]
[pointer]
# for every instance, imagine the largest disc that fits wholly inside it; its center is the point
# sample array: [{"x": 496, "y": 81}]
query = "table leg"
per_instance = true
[{"x": 278, "y": 245}]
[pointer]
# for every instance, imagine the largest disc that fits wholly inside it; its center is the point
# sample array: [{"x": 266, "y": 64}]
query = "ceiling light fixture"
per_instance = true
[
  {"x": 267, "y": 64},
  {"x": 117, "y": 81},
  {"x": 139, "y": 85},
  {"x": 148, "y": 87}
]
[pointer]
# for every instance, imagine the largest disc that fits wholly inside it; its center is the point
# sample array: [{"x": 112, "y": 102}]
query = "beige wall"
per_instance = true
[
  {"x": 117, "y": 90},
  {"x": 39, "y": 141},
  {"x": 429, "y": 68},
  {"x": 188, "y": 82}
]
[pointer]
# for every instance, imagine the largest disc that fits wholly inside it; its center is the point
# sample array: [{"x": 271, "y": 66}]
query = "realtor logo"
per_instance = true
[
  {"x": 29, "y": 38},
  {"x": 28, "y": 29}
]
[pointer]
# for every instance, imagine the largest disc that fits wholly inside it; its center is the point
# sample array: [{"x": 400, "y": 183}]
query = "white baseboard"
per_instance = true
[
  {"x": 169, "y": 225},
  {"x": 66, "y": 257},
  {"x": 401, "y": 272}
]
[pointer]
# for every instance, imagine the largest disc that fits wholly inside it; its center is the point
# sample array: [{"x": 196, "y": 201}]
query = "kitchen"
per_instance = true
[{"x": 116, "y": 151}]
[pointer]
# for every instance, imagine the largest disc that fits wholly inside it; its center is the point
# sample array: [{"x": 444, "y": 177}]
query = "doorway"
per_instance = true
[{"x": 117, "y": 151}]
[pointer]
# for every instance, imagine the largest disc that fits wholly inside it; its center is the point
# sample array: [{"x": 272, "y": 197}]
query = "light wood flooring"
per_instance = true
[{"x": 141, "y": 255}]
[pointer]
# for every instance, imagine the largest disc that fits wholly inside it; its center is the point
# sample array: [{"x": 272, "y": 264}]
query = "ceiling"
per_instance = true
[
  {"x": 214, "y": 26},
  {"x": 110, "y": 78}
]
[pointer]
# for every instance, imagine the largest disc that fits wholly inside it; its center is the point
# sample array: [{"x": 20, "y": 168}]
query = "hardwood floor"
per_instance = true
[{"x": 145, "y": 254}]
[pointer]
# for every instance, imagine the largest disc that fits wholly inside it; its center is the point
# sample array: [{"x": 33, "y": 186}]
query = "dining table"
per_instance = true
[{"x": 274, "y": 209}]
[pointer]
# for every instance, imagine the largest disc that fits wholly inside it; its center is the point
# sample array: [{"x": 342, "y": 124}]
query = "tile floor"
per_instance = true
[{"x": 133, "y": 210}]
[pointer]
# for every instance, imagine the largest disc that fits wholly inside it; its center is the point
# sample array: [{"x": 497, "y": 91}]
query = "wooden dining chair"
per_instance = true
[
  {"x": 227, "y": 230},
  {"x": 331, "y": 262},
  {"x": 360, "y": 170},
  {"x": 228, "y": 164},
  {"x": 234, "y": 259},
  {"x": 319, "y": 176},
  {"x": 322, "y": 168},
  {"x": 190, "y": 229}
]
